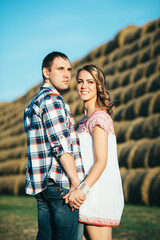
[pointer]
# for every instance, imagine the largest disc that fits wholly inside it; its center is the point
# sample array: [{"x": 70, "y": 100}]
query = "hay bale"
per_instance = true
[
  {"x": 13, "y": 167},
  {"x": 122, "y": 35},
  {"x": 121, "y": 131},
  {"x": 154, "y": 154},
  {"x": 156, "y": 50},
  {"x": 12, "y": 142},
  {"x": 18, "y": 152},
  {"x": 123, "y": 153},
  {"x": 154, "y": 103},
  {"x": 134, "y": 131},
  {"x": 154, "y": 190},
  {"x": 141, "y": 106},
  {"x": 156, "y": 36},
  {"x": 150, "y": 187},
  {"x": 153, "y": 83},
  {"x": 145, "y": 55},
  {"x": 133, "y": 61},
  {"x": 144, "y": 42},
  {"x": 149, "y": 27},
  {"x": 150, "y": 68},
  {"x": 151, "y": 126},
  {"x": 133, "y": 36},
  {"x": 13, "y": 185}
]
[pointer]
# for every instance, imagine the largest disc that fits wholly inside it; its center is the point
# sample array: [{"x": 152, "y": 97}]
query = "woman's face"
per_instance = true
[{"x": 86, "y": 86}]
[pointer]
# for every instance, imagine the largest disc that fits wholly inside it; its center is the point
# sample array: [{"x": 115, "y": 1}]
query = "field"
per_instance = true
[{"x": 19, "y": 220}]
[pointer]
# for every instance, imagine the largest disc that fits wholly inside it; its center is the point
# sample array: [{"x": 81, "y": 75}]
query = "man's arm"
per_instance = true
[{"x": 59, "y": 137}]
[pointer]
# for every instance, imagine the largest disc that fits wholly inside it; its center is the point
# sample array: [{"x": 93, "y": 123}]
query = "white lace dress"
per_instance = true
[{"x": 104, "y": 203}]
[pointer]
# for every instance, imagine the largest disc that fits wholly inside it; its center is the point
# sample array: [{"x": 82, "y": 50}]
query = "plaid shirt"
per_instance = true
[{"x": 50, "y": 130}]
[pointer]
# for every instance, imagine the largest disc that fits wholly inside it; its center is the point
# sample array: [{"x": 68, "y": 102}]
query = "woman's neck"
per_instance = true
[{"x": 89, "y": 109}]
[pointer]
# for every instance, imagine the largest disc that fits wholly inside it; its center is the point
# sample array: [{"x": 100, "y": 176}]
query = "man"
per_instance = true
[{"x": 54, "y": 164}]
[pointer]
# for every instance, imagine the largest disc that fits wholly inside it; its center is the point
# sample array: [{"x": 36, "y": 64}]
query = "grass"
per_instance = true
[{"x": 19, "y": 220}]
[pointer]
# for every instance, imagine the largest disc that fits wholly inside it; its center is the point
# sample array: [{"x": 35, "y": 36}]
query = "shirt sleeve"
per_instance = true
[
  {"x": 57, "y": 127},
  {"x": 102, "y": 120}
]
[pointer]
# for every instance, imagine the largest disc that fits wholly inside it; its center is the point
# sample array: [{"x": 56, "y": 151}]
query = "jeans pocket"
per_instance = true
[{"x": 54, "y": 192}]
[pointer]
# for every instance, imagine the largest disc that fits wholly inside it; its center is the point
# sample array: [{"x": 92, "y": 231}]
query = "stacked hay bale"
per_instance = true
[{"x": 131, "y": 63}]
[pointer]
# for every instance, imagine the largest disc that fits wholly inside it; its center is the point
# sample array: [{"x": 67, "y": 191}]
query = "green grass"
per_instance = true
[{"x": 18, "y": 220}]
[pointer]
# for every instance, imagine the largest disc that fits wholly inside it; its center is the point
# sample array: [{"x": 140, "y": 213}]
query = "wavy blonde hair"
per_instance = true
[{"x": 103, "y": 97}]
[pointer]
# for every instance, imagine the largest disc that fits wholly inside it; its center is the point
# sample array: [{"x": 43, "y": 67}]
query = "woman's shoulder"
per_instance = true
[
  {"x": 100, "y": 114},
  {"x": 100, "y": 118}
]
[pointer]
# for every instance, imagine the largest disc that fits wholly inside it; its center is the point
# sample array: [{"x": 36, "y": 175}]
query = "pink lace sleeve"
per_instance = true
[{"x": 102, "y": 119}]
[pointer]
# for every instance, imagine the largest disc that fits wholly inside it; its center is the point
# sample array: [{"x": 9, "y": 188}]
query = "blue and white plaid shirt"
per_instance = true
[{"x": 51, "y": 132}]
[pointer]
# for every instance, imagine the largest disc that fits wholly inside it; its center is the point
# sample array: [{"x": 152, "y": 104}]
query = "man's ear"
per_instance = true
[{"x": 45, "y": 72}]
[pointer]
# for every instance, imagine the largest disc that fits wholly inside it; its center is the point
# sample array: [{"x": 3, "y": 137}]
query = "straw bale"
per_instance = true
[
  {"x": 156, "y": 50},
  {"x": 132, "y": 36},
  {"x": 154, "y": 154},
  {"x": 145, "y": 41},
  {"x": 137, "y": 153},
  {"x": 129, "y": 111},
  {"x": 153, "y": 83},
  {"x": 18, "y": 152},
  {"x": 154, "y": 105},
  {"x": 79, "y": 109},
  {"x": 117, "y": 114},
  {"x": 12, "y": 142},
  {"x": 12, "y": 184},
  {"x": 110, "y": 46},
  {"x": 154, "y": 191},
  {"x": 133, "y": 183},
  {"x": 149, "y": 27},
  {"x": 16, "y": 130},
  {"x": 13, "y": 167},
  {"x": 133, "y": 61},
  {"x": 156, "y": 36},
  {"x": 141, "y": 105},
  {"x": 151, "y": 126},
  {"x": 122, "y": 66},
  {"x": 122, "y": 35},
  {"x": 120, "y": 133},
  {"x": 137, "y": 74},
  {"x": 134, "y": 131},
  {"x": 110, "y": 69},
  {"x": 123, "y": 153},
  {"x": 128, "y": 180},
  {"x": 71, "y": 97},
  {"x": 150, "y": 194},
  {"x": 115, "y": 95},
  {"x": 150, "y": 68},
  {"x": 145, "y": 55}
]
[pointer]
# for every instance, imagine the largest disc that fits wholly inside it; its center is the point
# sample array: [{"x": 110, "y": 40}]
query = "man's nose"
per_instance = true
[{"x": 67, "y": 73}]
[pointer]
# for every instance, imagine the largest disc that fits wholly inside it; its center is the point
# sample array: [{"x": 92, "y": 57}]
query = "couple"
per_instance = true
[{"x": 69, "y": 170}]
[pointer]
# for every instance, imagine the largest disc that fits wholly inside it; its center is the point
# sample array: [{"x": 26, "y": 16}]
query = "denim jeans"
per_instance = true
[
  {"x": 56, "y": 221},
  {"x": 80, "y": 231}
]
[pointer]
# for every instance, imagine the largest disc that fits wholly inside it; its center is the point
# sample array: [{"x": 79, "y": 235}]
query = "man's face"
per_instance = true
[{"x": 59, "y": 75}]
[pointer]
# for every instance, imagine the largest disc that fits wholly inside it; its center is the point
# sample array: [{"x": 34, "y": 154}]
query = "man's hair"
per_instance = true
[{"x": 47, "y": 61}]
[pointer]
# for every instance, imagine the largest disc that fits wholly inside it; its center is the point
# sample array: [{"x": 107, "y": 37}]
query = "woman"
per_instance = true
[{"x": 104, "y": 196}]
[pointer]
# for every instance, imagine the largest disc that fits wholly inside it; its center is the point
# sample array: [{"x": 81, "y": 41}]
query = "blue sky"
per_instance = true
[{"x": 33, "y": 28}]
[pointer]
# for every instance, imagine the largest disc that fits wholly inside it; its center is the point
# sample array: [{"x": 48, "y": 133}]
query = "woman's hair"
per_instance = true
[{"x": 103, "y": 97}]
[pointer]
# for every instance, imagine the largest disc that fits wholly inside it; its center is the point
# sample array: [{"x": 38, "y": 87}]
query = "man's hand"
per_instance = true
[{"x": 75, "y": 198}]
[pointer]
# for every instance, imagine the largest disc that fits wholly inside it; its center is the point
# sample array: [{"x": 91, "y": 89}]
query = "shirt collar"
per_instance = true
[{"x": 46, "y": 85}]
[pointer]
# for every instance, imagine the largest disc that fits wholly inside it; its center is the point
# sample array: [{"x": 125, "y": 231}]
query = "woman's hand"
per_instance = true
[{"x": 75, "y": 198}]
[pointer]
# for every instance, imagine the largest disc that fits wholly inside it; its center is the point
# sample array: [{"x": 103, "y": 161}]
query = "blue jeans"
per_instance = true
[{"x": 56, "y": 221}]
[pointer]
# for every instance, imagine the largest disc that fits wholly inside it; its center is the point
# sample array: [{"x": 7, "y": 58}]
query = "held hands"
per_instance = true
[{"x": 75, "y": 198}]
